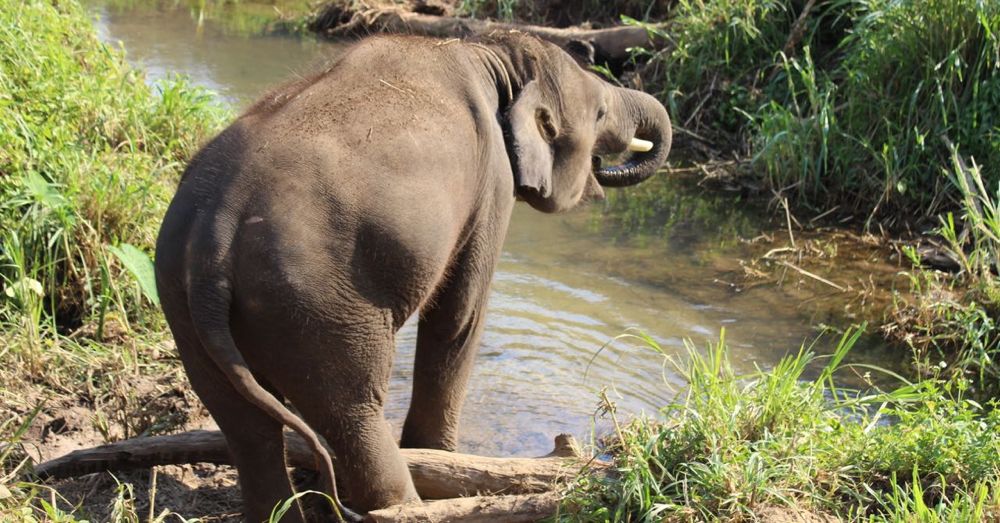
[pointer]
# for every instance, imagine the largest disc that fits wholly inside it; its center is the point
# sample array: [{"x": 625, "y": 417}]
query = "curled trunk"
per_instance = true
[{"x": 651, "y": 122}]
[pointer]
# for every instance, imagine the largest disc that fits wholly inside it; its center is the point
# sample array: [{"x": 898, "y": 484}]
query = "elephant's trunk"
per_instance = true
[{"x": 651, "y": 123}]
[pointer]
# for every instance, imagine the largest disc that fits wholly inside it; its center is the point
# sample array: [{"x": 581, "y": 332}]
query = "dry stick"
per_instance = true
[
  {"x": 788, "y": 220},
  {"x": 823, "y": 215},
  {"x": 798, "y": 28},
  {"x": 436, "y": 473},
  {"x": 813, "y": 276},
  {"x": 794, "y": 35},
  {"x": 777, "y": 250},
  {"x": 152, "y": 497},
  {"x": 392, "y": 86}
]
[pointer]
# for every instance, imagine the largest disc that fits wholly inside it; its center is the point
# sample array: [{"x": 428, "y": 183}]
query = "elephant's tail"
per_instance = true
[{"x": 209, "y": 301}]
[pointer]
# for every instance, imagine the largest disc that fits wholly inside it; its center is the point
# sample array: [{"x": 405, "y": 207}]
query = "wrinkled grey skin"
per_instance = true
[{"x": 304, "y": 235}]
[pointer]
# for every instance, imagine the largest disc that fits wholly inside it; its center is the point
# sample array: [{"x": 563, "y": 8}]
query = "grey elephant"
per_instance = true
[{"x": 304, "y": 235}]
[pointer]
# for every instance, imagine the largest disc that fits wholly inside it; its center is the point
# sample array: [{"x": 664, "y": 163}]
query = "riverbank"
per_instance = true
[{"x": 88, "y": 360}]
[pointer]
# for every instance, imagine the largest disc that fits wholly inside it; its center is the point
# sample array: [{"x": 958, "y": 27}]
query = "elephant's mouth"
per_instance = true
[{"x": 592, "y": 191}]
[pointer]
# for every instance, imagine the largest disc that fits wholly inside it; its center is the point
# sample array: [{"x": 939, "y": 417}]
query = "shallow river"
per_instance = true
[{"x": 566, "y": 284}]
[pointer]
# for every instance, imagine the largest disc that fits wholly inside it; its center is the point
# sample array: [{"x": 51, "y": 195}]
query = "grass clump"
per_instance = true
[
  {"x": 853, "y": 102},
  {"x": 734, "y": 448},
  {"x": 914, "y": 78},
  {"x": 950, "y": 321},
  {"x": 718, "y": 59},
  {"x": 89, "y": 159}
]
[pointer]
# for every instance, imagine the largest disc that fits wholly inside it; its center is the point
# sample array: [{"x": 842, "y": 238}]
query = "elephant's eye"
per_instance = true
[
  {"x": 545, "y": 124},
  {"x": 601, "y": 113}
]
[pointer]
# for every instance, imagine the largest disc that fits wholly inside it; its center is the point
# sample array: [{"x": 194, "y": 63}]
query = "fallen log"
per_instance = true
[
  {"x": 437, "y": 474},
  {"x": 610, "y": 45},
  {"x": 478, "y": 509}
]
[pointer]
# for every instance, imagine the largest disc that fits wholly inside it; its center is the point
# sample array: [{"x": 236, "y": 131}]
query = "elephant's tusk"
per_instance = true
[{"x": 640, "y": 146}]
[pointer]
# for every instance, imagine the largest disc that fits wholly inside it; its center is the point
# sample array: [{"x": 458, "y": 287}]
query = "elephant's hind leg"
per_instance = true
[
  {"x": 342, "y": 397},
  {"x": 447, "y": 341},
  {"x": 255, "y": 439}
]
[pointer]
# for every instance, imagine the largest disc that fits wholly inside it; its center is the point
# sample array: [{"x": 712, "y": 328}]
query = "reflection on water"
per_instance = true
[
  {"x": 566, "y": 284},
  {"x": 167, "y": 41}
]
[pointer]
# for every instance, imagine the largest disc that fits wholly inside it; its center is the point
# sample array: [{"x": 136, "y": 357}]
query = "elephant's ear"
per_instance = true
[
  {"x": 581, "y": 51},
  {"x": 532, "y": 129}
]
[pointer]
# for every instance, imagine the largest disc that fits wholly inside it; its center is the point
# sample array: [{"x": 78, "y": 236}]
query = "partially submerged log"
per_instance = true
[
  {"x": 436, "y": 474},
  {"x": 610, "y": 45}
]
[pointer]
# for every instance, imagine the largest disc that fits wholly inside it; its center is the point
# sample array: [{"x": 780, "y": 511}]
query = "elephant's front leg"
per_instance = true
[{"x": 447, "y": 342}]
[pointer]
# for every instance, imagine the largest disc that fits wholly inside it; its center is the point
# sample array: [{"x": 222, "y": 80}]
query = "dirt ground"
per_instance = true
[{"x": 205, "y": 491}]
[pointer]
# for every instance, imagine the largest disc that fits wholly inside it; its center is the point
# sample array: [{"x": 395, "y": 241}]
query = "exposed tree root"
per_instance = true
[
  {"x": 436, "y": 474},
  {"x": 485, "y": 509}
]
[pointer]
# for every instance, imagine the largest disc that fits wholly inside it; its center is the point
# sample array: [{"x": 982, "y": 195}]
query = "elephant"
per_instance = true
[{"x": 303, "y": 236}]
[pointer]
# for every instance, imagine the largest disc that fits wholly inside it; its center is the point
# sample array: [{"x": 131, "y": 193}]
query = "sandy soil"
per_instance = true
[{"x": 205, "y": 491}]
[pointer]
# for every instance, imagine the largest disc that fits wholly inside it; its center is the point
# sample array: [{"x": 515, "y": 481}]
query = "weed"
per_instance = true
[
  {"x": 732, "y": 446},
  {"x": 89, "y": 154},
  {"x": 860, "y": 111}
]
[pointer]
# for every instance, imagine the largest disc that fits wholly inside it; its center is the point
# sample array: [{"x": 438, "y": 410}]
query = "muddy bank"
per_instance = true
[{"x": 151, "y": 401}]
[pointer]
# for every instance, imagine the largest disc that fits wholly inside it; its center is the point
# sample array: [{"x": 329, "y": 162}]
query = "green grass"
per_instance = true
[
  {"x": 859, "y": 111},
  {"x": 719, "y": 54},
  {"x": 952, "y": 320},
  {"x": 733, "y": 446},
  {"x": 89, "y": 156}
]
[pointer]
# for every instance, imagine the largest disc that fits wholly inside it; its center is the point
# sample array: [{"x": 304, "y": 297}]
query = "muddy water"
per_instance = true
[{"x": 566, "y": 284}]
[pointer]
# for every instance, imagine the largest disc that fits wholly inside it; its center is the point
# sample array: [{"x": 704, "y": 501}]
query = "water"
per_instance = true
[{"x": 566, "y": 284}]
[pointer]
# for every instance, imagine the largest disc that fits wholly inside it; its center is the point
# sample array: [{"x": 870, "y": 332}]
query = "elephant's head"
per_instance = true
[{"x": 562, "y": 118}]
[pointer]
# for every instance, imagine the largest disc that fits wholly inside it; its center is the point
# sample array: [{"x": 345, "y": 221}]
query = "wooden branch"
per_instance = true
[
  {"x": 437, "y": 474},
  {"x": 479, "y": 509},
  {"x": 798, "y": 29},
  {"x": 610, "y": 45}
]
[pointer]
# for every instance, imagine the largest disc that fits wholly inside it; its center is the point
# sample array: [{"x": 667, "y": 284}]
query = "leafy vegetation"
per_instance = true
[
  {"x": 951, "y": 322},
  {"x": 859, "y": 110},
  {"x": 733, "y": 447},
  {"x": 89, "y": 155}
]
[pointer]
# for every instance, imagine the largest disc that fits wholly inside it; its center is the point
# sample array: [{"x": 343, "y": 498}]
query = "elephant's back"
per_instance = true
[{"x": 383, "y": 91}]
